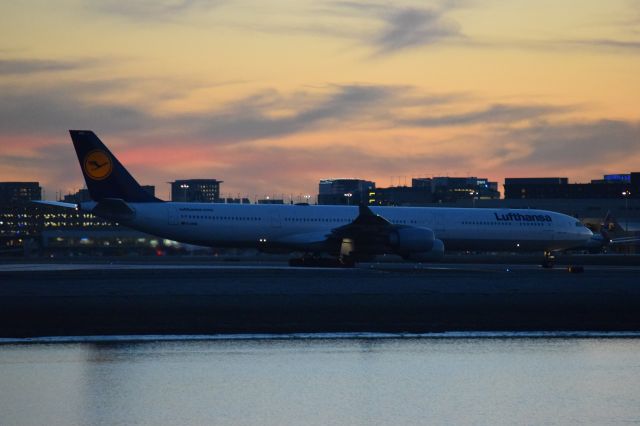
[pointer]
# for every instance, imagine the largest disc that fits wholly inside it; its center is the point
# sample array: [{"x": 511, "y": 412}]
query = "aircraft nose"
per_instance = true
[{"x": 586, "y": 233}]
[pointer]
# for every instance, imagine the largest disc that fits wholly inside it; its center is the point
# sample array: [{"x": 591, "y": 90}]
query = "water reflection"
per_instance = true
[{"x": 351, "y": 381}]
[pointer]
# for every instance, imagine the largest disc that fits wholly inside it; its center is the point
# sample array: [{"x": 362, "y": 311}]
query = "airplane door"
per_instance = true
[
  {"x": 549, "y": 233},
  {"x": 276, "y": 221},
  {"x": 173, "y": 215},
  {"x": 435, "y": 222}
]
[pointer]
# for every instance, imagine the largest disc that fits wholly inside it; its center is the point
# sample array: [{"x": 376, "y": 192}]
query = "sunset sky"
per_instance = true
[{"x": 272, "y": 96}]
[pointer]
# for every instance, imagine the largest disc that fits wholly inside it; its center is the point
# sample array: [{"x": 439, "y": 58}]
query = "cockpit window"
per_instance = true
[{"x": 579, "y": 224}]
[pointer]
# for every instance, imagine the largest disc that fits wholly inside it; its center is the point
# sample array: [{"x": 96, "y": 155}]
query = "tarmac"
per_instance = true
[{"x": 183, "y": 298}]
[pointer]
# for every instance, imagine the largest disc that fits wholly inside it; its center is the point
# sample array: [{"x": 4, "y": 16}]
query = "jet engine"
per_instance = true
[
  {"x": 436, "y": 253},
  {"x": 411, "y": 239}
]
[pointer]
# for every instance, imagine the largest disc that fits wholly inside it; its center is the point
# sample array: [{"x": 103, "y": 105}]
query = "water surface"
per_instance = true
[{"x": 362, "y": 381}]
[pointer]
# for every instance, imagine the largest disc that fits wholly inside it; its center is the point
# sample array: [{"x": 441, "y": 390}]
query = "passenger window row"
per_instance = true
[
  {"x": 287, "y": 219},
  {"x": 486, "y": 223},
  {"x": 313, "y": 219},
  {"x": 246, "y": 218}
]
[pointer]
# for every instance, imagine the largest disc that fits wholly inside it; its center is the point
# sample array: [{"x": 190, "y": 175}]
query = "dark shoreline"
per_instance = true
[
  {"x": 183, "y": 299},
  {"x": 563, "y": 259}
]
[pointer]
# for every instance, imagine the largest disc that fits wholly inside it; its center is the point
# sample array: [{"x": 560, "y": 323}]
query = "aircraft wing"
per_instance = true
[
  {"x": 56, "y": 204},
  {"x": 370, "y": 230},
  {"x": 624, "y": 240},
  {"x": 307, "y": 241}
]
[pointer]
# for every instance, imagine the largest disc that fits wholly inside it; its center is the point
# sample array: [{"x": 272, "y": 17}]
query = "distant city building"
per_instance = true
[
  {"x": 83, "y": 196},
  {"x": 538, "y": 180},
  {"x": 447, "y": 189},
  {"x": 149, "y": 189},
  {"x": 443, "y": 189},
  {"x": 540, "y": 187},
  {"x": 611, "y": 186},
  {"x": 422, "y": 191},
  {"x": 403, "y": 196},
  {"x": 346, "y": 191},
  {"x": 196, "y": 190},
  {"x": 271, "y": 201},
  {"x": 23, "y": 220},
  {"x": 230, "y": 200},
  {"x": 618, "y": 178},
  {"x": 11, "y": 192},
  {"x": 421, "y": 183},
  {"x": 32, "y": 229}
]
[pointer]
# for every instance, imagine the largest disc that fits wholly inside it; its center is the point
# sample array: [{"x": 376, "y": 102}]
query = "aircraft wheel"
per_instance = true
[
  {"x": 548, "y": 261},
  {"x": 322, "y": 262}
]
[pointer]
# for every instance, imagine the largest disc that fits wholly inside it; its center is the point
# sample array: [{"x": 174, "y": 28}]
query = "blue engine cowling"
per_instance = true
[
  {"x": 412, "y": 239},
  {"x": 436, "y": 253}
]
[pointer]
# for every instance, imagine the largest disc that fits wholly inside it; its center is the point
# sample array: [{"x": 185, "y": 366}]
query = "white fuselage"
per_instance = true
[{"x": 303, "y": 227}]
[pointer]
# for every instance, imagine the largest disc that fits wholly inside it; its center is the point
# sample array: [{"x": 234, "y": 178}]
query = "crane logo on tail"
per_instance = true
[{"x": 97, "y": 165}]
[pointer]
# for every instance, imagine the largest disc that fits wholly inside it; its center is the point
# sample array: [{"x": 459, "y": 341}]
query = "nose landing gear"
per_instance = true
[{"x": 549, "y": 260}]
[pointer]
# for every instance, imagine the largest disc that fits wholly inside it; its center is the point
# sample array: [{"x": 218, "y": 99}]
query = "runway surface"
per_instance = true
[
  {"x": 169, "y": 299},
  {"x": 257, "y": 266}
]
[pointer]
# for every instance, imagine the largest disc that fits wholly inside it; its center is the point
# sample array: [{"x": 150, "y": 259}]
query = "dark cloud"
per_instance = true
[
  {"x": 49, "y": 165},
  {"x": 577, "y": 144},
  {"x": 399, "y": 28},
  {"x": 263, "y": 115},
  {"x": 411, "y": 27},
  {"x": 564, "y": 46},
  {"x": 41, "y": 110},
  {"x": 30, "y": 66},
  {"x": 38, "y": 110},
  {"x": 403, "y": 28},
  {"x": 250, "y": 118},
  {"x": 150, "y": 10},
  {"x": 608, "y": 44},
  {"x": 497, "y": 113}
]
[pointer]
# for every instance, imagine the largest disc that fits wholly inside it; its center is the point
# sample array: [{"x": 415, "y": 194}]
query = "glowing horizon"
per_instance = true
[{"x": 272, "y": 98}]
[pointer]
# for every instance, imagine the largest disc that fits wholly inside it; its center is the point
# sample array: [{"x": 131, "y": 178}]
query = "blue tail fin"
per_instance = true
[{"x": 103, "y": 173}]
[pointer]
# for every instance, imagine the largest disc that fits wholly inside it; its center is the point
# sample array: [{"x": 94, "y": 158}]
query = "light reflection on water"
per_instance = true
[{"x": 322, "y": 381}]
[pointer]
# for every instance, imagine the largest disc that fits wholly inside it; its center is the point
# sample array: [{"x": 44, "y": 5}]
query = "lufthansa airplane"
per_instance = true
[{"x": 346, "y": 233}]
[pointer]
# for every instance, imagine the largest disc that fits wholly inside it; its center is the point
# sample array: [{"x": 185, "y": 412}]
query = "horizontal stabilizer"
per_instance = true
[
  {"x": 624, "y": 240},
  {"x": 114, "y": 209}
]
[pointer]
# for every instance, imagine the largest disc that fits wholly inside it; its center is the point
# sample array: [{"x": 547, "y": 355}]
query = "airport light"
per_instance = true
[
  {"x": 474, "y": 194},
  {"x": 348, "y": 195},
  {"x": 307, "y": 198},
  {"x": 626, "y": 195},
  {"x": 184, "y": 187}
]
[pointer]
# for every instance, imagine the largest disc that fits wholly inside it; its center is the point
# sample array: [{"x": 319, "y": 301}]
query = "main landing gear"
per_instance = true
[
  {"x": 346, "y": 259},
  {"x": 549, "y": 260}
]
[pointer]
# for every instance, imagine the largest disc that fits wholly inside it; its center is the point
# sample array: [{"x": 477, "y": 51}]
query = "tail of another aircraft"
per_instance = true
[
  {"x": 103, "y": 173},
  {"x": 611, "y": 225}
]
